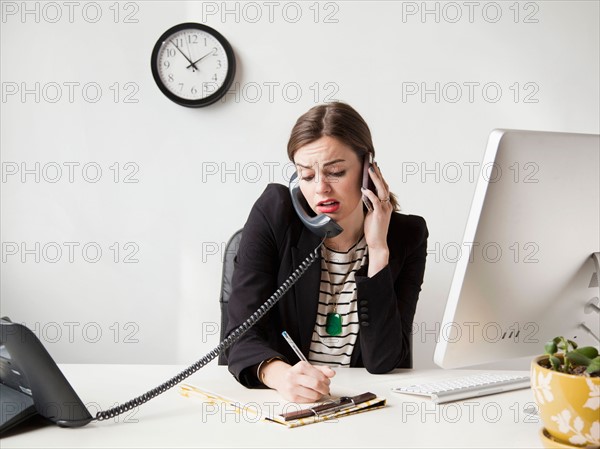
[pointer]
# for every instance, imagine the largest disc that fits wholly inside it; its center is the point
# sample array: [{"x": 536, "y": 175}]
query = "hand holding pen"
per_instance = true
[{"x": 301, "y": 382}]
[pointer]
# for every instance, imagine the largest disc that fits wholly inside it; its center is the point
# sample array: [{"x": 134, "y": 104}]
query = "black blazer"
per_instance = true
[{"x": 274, "y": 242}]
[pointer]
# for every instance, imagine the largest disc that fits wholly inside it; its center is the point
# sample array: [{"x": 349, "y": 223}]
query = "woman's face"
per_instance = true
[{"x": 330, "y": 175}]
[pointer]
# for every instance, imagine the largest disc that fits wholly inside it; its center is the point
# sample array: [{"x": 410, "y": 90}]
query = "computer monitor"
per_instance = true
[{"x": 524, "y": 272}]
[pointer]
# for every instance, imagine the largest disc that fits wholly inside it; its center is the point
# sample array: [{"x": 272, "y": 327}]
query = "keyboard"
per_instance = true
[{"x": 465, "y": 387}]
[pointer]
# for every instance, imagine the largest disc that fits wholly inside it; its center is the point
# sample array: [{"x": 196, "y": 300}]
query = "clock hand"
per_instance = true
[
  {"x": 188, "y": 59},
  {"x": 198, "y": 60},
  {"x": 187, "y": 45}
]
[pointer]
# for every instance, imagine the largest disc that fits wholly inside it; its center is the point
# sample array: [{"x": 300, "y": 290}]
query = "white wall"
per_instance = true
[{"x": 164, "y": 308}]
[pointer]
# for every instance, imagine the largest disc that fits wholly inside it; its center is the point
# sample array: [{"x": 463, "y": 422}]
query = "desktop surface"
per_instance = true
[{"x": 172, "y": 420}]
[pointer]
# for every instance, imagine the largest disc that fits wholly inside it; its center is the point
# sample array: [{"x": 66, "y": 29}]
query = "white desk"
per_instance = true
[{"x": 171, "y": 420}]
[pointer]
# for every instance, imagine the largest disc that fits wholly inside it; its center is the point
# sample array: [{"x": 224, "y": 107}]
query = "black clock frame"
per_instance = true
[{"x": 215, "y": 96}]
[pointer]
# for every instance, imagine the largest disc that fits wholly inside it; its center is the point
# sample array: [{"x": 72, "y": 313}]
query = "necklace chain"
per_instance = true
[{"x": 334, "y": 321}]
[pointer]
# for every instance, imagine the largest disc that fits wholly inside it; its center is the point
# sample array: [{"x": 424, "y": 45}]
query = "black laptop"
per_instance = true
[{"x": 31, "y": 383}]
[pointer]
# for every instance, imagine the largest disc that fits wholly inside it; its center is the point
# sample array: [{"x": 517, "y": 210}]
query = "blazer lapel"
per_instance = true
[{"x": 307, "y": 288}]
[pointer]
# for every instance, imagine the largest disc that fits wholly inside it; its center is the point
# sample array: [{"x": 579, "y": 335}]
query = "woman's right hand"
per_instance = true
[{"x": 302, "y": 382}]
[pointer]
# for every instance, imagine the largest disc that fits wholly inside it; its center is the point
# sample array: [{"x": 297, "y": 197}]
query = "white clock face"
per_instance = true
[{"x": 192, "y": 64}]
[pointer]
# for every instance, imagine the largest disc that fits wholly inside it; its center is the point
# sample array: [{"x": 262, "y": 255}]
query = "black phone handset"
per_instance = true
[{"x": 321, "y": 225}]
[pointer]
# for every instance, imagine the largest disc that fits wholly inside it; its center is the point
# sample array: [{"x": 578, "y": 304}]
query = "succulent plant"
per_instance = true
[{"x": 572, "y": 357}]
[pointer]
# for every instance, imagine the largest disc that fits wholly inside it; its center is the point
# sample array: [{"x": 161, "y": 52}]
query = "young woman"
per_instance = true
[{"x": 353, "y": 308}]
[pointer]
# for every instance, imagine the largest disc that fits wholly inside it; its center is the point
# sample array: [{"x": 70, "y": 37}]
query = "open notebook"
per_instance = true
[{"x": 269, "y": 406}]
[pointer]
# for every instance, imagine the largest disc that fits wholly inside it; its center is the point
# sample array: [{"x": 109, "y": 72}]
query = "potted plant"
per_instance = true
[{"x": 566, "y": 385}]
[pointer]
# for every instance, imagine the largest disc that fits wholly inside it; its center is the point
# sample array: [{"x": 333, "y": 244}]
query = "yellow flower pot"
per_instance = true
[{"x": 569, "y": 405}]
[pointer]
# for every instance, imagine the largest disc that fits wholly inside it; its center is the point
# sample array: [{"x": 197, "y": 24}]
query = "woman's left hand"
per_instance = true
[{"x": 377, "y": 221}]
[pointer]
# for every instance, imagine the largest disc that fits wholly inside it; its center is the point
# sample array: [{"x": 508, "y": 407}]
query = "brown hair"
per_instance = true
[{"x": 338, "y": 120}]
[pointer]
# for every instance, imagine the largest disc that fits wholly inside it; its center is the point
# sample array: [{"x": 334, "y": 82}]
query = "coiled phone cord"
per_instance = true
[{"x": 227, "y": 342}]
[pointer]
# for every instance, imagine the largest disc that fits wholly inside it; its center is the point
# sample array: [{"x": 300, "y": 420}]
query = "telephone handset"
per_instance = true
[{"x": 322, "y": 225}]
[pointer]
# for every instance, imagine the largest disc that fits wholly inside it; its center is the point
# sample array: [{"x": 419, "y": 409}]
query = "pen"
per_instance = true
[{"x": 293, "y": 346}]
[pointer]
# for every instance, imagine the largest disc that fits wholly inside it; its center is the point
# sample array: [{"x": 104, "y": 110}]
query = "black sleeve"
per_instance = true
[
  {"x": 386, "y": 308},
  {"x": 254, "y": 281}
]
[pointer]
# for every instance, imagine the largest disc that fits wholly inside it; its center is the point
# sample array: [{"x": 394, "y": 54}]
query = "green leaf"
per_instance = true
[
  {"x": 589, "y": 351},
  {"x": 555, "y": 362},
  {"x": 550, "y": 347},
  {"x": 573, "y": 344},
  {"x": 577, "y": 358},
  {"x": 594, "y": 366}
]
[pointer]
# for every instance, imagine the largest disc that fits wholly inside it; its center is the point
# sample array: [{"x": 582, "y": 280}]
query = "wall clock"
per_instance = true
[{"x": 193, "y": 64}]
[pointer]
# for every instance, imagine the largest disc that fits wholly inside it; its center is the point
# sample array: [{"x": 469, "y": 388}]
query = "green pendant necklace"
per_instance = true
[
  {"x": 333, "y": 322},
  {"x": 333, "y": 325}
]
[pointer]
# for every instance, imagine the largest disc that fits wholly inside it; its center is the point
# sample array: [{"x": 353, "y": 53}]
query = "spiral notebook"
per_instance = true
[{"x": 268, "y": 406}]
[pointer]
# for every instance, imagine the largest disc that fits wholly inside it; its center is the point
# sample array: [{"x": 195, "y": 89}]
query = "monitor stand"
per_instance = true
[{"x": 593, "y": 305}]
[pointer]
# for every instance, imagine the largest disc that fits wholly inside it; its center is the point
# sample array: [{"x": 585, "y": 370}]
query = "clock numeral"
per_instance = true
[
  {"x": 219, "y": 65},
  {"x": 193, "y": 38},
  {"x": 170, "y": 52},
  {"x": 214, "y": 77},
  {"x": 178, "y": 42},
  {"x": 166, "y": 64},
  {"x": 170, "y": 78},
  {"x": 180, "y": 87},
  {"x": 209, "y": 88},
  {"x": 193, "y": 90},
  {"x": 215, "y": 51}
]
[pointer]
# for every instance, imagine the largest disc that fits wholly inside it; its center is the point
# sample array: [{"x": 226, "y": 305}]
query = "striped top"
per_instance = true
[{"x": 337, "y": 294}]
